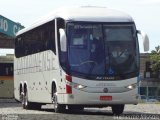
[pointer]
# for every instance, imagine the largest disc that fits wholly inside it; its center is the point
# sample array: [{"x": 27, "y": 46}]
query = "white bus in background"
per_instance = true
[{"x": 76, "y": 58}]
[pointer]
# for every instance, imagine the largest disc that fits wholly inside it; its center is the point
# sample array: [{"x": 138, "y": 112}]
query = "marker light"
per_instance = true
[
  {"x": 68, "y": 84},
  {"x": 68, "y": 89},
  {"x": 69, "y": 78}
]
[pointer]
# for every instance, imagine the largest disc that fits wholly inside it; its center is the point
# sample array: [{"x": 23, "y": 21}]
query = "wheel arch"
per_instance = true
[{"x": 53, "y": 85}]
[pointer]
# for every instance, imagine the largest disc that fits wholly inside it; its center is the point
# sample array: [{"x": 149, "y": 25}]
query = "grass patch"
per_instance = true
[{"x": 157, "y": 102}]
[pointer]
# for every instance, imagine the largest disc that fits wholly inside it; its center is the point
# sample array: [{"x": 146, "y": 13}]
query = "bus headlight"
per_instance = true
[
  {"x": 132, "y": 86},
  {"x": 78, "y": 86}
]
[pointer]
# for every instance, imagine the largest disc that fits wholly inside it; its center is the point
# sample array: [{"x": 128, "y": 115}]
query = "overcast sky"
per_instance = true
[{"x": 146, "y": 13}]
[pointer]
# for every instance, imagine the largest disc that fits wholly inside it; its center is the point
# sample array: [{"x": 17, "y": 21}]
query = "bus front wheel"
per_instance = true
[
  {"x": 58, "y": 108},
  {"x": 117, "y": 109}
]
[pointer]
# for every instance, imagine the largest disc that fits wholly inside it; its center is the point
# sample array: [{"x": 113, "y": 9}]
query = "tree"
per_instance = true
[{"x": 155, "y": 58}]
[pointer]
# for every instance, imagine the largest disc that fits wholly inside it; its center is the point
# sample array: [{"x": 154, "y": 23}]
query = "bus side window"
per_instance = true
[
  {"x": 37, "y": 40},
  {"x": 49, "y": 36},
  {"x": 19, "y": 46}
]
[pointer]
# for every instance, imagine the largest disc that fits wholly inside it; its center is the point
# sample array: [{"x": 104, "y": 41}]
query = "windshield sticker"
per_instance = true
[
  {"x": 110, "y": 71},
  {"x": 86, "y": 27}
]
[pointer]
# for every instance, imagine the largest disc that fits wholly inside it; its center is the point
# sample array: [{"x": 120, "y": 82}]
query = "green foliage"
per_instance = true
[{"x": 155, "y": 57}]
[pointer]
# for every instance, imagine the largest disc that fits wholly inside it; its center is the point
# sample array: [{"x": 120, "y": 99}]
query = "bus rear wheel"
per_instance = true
[
  {"x": 29, "y": 105},
  {"x": 117, "y": 109},
  {"x": 25, "y": 102}
]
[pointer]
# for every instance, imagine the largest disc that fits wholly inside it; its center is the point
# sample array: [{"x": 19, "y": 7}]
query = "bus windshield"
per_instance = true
[{"x": 101, "y": 49}]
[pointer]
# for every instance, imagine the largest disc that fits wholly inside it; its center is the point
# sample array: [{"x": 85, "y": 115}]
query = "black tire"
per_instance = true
[
  {"x": 74, "y": 108},
  {"x": 21, "y": 97},
  {"x": 26, "y": 104},
  {"x": 117, "y": 109},
  {"x": 58, "y": 108},
  {"x": 23, "y": 100}
]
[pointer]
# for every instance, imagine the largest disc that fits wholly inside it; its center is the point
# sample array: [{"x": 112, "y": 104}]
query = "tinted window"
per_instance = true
[
  {"x": 102, "y": 49},
  {"x": 37, "y": 40}
]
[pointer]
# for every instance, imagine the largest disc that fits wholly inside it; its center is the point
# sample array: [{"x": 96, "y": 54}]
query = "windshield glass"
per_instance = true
[{"x": 102, "y": 50}]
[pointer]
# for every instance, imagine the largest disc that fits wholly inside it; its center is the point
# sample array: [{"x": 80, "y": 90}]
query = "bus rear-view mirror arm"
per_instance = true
[
  {"x": 63, "y": 40},
  {"x": 145, "y": 40}
]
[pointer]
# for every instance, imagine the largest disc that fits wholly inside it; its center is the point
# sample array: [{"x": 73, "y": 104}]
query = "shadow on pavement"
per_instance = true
[{"x": 99, "y": 112}]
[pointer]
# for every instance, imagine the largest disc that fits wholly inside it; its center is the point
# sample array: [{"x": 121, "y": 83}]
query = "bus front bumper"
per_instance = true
[{"x": 84, "y": 98}]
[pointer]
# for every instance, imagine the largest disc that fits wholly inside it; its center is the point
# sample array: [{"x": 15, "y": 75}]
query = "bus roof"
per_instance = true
[{"x": 85, "y": 13}]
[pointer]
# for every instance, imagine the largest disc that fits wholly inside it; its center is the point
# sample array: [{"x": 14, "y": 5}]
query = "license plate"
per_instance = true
[{"x": 106, "y": 98}]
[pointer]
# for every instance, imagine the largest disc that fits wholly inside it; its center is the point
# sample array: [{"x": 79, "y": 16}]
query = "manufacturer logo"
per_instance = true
[
  {"x": 105, "y": 84},
  {"x": 105, "y": 90}
]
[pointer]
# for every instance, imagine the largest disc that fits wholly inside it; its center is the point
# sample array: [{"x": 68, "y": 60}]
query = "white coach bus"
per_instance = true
[{"x": 76, "y": 58}]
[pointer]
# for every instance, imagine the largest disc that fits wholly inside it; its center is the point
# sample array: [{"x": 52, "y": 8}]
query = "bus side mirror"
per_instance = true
[
  {"x": 145, "y": 40},
  {"x": 63, "y": 40}
]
